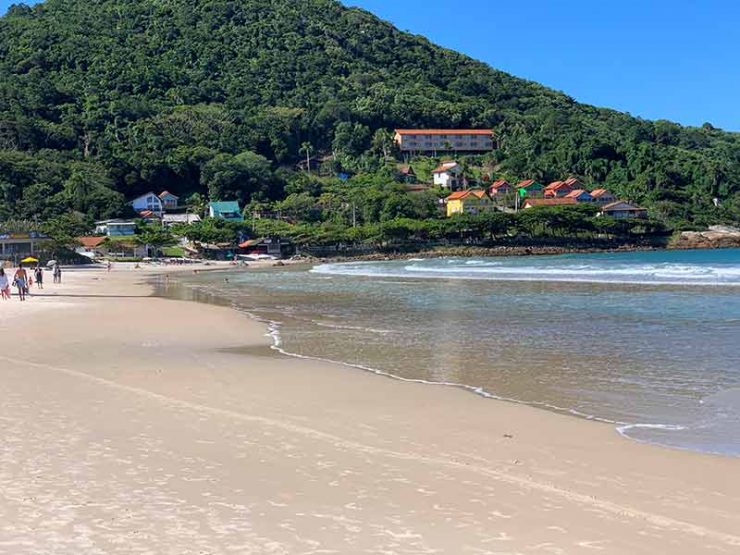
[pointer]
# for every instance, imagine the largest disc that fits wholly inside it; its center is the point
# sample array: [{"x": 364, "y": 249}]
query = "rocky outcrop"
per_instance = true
[{"x": 716, "y": 237}]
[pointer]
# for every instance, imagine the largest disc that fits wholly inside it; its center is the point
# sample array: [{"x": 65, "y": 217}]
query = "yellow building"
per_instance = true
[{"x": 468, "y": 202}]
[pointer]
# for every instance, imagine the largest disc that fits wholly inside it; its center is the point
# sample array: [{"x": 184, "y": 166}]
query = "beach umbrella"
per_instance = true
[
  {"x": 29, "y": 260},
  {"x": 51, "y": 263}
]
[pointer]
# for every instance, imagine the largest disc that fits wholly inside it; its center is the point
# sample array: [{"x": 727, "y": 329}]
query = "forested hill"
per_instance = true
[{"x": 100, "y": 98}]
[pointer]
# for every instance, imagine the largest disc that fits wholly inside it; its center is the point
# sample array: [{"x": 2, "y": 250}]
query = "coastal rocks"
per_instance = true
[{"x": 713, "y": 238}]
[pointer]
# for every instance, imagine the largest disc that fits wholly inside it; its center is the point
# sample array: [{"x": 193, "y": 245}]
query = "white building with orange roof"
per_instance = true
[
  {"x": 448, "y": 175},
  {"x": 442, "y": 140}
]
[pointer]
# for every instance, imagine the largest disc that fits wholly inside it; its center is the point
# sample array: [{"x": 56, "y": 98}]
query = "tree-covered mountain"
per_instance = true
[{"x": 101, "y": 99}]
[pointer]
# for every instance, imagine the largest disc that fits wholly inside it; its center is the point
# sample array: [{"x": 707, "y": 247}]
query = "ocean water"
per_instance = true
[{"x": 649, "y": 341}]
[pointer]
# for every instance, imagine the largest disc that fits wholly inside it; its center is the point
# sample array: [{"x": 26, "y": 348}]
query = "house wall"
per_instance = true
[
  {"x": 448, "y": 180},
  {"x": 147, "y": 202}
]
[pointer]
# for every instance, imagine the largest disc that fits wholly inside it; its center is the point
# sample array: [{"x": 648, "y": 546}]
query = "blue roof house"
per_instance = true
[{"x": 227, "y": 210}]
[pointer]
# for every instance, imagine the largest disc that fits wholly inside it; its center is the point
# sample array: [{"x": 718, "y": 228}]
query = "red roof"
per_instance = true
[
  {"x": 444, "y": 132},
  {"x": 576, "y": 193},
  {"x": 596, "y": 193},
  {"x": 500, "y": 183},
  {"x": 459, "y": 195},
  {"x": 555, "y": 185},
  {"x": 573, "y": 181},
  {"x": 165, "y": 193},
  {"x": 526, "y": 183},
  {"x": 444, "y": 167},
  {"x": 91, "y": 242},
  {"x": 549, "y": 201}
]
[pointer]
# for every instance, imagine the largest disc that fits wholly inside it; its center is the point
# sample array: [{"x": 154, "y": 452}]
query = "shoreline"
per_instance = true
[
  {"x": 455, "y": 473},
  {"x": 272, "y": 330}
]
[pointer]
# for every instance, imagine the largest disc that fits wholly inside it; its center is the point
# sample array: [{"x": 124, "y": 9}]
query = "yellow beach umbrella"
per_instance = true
[{"x": 29, "y": 260}]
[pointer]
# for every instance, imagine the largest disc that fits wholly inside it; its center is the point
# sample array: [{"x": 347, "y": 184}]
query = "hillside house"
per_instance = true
[
  {"x": 499, "y": 187},
  {"x": 448, "y": 176},
  {"x": 558, "y": 189},
  {"x": 115, "y": 228},
  {"x": 602, "y": 196},
  {"x": 184, "y": 219},
  {"x": 530, "y": 187},
  {"x": 574, "y": 183},
  {"x": 169, "y": 201},
  {"x": 433, "y": 140},
  {"x": 226, "y": 210},
  {"x": 623, "y": 210},
  {"x": 149, "y": 201},
  {"x": 468, "y": 202},
  {"x": 537, "y": 202},
  {"x": 407, "y": 175},
  {"x": 580, "y": 195}
]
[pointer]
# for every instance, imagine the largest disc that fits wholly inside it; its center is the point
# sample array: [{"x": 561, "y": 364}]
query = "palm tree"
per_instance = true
[{"x": 307, "y": 149}]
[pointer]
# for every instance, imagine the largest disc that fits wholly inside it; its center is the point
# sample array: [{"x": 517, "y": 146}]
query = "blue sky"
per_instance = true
[{"x": 670, "y": 59}]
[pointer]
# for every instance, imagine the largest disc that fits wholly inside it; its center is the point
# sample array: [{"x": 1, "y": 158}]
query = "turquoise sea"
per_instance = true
[{"x": 649, "y": 341}]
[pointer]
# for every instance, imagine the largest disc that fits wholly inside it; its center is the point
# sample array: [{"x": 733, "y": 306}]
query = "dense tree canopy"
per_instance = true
[{"x": 106, "y": 99}]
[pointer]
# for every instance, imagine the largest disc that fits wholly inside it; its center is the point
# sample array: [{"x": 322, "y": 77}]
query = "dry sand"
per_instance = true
[{"x": 133, "y": 424}]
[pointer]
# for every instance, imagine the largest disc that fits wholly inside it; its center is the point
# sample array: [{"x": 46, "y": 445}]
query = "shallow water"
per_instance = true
[{"x": 649, "y": 341}]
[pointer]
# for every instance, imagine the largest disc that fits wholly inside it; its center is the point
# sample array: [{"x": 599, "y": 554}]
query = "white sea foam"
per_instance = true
[{"x": 661, "y": 274}]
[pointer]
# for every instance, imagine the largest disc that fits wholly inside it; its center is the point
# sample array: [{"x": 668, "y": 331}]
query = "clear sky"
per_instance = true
[{"x": 670, "y": 59}]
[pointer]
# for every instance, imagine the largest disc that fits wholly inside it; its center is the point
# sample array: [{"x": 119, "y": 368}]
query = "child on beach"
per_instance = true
[{"x": 4, "y": 285}]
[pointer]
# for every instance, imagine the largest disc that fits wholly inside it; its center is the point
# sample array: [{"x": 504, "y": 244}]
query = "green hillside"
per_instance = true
[{"x": 103, "y": 99}]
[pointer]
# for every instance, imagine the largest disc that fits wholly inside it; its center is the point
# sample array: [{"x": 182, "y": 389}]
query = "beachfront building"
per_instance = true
[
  {"x": 499, "y": 187},
  {"x": 169, "y": 201},
  {"x": 530, "y": 187},
  {"x": 444, "y": 140},
  {"x": 537, "y": 202},
  {"x": 91, "y": 246},
  {"x": 473, "y": 201},
  {"x": 19, "y": 245},
  {"x": 148, "y": 202},
  {"x": 603, "y": 196},
  {"x": 623, "y": 210},
  {"x": 226, "y": 210},
  {"x": 115, "y": 228},
  {"x": 580, "y": 195},
  {"x": 448, "y": 176}
]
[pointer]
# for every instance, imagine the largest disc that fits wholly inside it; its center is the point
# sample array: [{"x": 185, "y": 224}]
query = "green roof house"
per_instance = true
[{"x": 228, "y": 210}]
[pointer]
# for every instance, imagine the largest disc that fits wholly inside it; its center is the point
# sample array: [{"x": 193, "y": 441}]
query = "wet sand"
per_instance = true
[{"x": 133, "y": 424}]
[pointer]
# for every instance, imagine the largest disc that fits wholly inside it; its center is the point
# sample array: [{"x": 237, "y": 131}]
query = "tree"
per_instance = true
[{"x": 307, "y": 149}]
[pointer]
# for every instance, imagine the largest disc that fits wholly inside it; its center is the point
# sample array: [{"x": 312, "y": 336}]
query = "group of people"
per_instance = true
[{"x": 23, "y": 280}]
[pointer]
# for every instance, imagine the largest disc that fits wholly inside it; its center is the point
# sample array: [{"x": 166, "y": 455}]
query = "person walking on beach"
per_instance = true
[
  {"x": 39, "y": 275},
  {"x": 4, "y": 285},
  {"x": 21, "y": 282},
  {"x": 109, "y": 265},
  {"x": 57, "y": 273}
]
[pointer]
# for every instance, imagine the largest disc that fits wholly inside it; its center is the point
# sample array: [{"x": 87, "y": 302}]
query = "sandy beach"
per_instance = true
[{"x": 135, "y": 424}]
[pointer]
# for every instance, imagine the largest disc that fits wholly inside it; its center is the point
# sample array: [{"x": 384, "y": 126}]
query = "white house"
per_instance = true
[
  {"x": 150, "y": 202},
  {"x": 448, "y": 176}
]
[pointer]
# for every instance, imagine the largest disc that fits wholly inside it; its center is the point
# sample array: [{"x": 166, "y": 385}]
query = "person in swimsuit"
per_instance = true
[
  {"x": 39, "y": 274},
  {"x": 21, "y": 282},
  {"x": 4, "y": 285}
]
